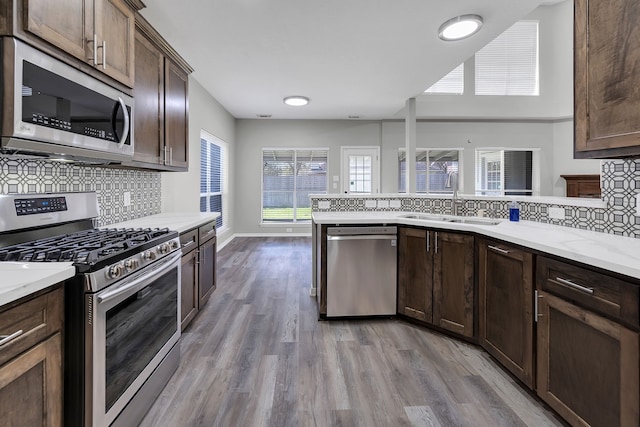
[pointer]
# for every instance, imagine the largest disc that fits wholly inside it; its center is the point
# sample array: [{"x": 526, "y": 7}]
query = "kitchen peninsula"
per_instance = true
[{"x": 549, "y": 303}]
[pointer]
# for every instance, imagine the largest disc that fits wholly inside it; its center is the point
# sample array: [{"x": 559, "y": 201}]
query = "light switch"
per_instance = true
[{"x": 336, "y": 178}]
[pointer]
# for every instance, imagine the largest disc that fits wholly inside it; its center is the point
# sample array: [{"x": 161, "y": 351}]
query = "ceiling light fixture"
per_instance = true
[
  {"x": 296, "y": 101},
  {"x": 460, "y": 27}
]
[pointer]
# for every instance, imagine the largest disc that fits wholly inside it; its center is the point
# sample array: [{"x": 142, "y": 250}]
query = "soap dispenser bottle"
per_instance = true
[{"x": 514, "y": 211}]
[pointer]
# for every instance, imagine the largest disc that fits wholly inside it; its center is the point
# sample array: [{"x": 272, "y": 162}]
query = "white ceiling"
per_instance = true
[{"x": 351, "y": 57}]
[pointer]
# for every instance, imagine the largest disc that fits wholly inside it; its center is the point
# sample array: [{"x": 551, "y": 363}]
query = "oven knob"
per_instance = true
[
  {"x": 131, "y": 264},
  {"x": 173, "y": 244},
  {"x": 164, "y": 248},
  {"x": 115, "y": 271},
  {"x": 149, "y": 255}
]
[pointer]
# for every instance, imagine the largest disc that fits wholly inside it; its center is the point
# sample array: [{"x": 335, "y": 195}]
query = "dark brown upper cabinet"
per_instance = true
[{"x": 606, "y": 79}]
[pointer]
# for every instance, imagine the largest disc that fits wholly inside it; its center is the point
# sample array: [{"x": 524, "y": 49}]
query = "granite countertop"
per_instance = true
[
  {"x": 178, "y": 221},
  {"x": 20, "y": 279},
  {"x": 609, "y": 252}
]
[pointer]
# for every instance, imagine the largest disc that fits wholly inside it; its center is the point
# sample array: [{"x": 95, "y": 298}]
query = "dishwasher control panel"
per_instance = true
[{"x": 359, "y": 230}]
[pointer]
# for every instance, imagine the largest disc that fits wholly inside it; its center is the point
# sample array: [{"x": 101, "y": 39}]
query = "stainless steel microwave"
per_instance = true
[{"x": 53, "y": 110}]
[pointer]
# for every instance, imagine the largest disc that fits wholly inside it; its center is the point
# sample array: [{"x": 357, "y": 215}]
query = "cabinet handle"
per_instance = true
[
  {"x": 5, "y": 339},
  {"x": 428, "y": 241},
  {"x": 497, "y": 249},
  {"x": 164, "y": 150},
  {"x": 171, "y": 155},
  {"x": 210, "y": 231},
  {"x": 574, "y": 285},
  {"x": 189, "y": 243},
  {"x": 94, "y": 58},
  {"x": 536, "y": 312},
  {"x": 436, "y": 242},
  {"x": 104, "y": 54}
]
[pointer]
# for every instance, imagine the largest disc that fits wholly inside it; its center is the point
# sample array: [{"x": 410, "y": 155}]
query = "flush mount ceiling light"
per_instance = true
[
  {"x": 296, "y": 101},
  {"x": 460, "y": 27}
]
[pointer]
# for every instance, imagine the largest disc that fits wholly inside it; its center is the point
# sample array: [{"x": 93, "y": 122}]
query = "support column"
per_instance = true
[{"x": 410, "y": 144}]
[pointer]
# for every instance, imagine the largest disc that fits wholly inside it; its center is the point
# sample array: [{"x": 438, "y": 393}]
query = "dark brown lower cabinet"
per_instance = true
[
  {"x": 199, "y": 251},
  {"x": 436, "y": 278},
  {"x": 453, "y": 282},
  {"x": 588, "y": 366},
  {"x": 415, "y": 272},
  {"x": 207, "y": 270},
  {"x": 31, "y": 362},
  {"x": 506, "y": 307}
]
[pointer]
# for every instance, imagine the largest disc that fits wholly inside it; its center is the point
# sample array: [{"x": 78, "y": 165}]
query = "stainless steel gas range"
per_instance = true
[{"x": 122, "y": 308}]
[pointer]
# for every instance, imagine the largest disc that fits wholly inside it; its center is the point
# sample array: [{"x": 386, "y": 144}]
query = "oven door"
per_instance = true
[{"x": 135, "y": 324}]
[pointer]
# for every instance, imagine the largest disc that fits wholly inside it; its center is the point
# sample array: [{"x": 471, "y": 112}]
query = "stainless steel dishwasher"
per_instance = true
[{"x": 361, "y": 271}]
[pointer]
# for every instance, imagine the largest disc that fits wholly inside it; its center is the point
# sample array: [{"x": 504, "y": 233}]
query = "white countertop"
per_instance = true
[
  {"x": 20, "y": 279},
  {"x": 607, "y": 251},
  {"x": 178, "y": 221}
]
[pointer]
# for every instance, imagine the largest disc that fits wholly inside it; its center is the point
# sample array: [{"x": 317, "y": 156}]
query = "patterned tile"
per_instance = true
[{"x": 41, "y": 176}]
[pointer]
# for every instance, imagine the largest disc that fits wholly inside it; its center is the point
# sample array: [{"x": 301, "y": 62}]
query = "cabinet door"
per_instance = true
[
  {"x": 415, "y": 271},
  {"x": 31, "y": 386},
  {"x": 176, "y": 112},
  {"x": 61, "y": 23},
  {"x": 189, "y": 288},
  {"x": 148, "y": 103},
  {"x": 453, "y": 296},
  {"x": 588, "y": 367},
  {"x": 506, "y": 307},
  {"x": 114, "y": 29},
  {"x": 207, "y": 282},
  {"x": 607, "y": 84}
]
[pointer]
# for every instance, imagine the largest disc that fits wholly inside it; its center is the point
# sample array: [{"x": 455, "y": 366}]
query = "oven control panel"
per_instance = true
[{"x": 39, "y": 205}]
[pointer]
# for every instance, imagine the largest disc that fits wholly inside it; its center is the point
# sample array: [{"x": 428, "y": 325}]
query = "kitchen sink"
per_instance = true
[{"x": 454, "y": 219}]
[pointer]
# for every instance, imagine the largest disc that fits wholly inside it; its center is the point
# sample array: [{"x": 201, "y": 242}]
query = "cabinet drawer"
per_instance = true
[
  {"x": 207, "y": 231},
  {"x": 189, "y": 241},
  {"x": 606, "y": 295},
  {"x": 30, "y": 322}
]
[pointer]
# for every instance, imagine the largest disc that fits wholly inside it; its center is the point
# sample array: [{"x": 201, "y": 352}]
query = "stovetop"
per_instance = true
[{"x": 89, "y": 247}]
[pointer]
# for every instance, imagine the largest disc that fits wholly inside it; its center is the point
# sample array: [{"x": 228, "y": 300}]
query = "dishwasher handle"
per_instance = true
[{"x": 364, "y": 237}]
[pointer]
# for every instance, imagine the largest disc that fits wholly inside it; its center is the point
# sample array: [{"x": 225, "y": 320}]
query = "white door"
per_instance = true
[{"x": 360, "y": 170}]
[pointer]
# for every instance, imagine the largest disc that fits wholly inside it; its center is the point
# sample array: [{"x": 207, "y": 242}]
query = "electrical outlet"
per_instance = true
[
  {"x": 126, "y": 199},
  {"x": 383, "y": 204},
  {"x": 370, "y": 204},
  {"x": 324, "y": 204},
  {"x": 638, "y": 204},
  {"x": 289, "y": 230},
  {"x": 556, "y": 213},
  {"x": 394, "y": 204}
]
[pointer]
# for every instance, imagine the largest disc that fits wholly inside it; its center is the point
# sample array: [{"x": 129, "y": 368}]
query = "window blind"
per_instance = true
[
  {"x": 504, "y": 173},
  {"x": 434, "y": 168},
  {"x": 452, "y": 83},
  {"x": 508, "y": 65},
  {"x": 212, "y": 177}
]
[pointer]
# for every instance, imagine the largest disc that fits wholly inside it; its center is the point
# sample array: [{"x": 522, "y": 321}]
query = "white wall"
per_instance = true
[
  {"x": 556, "y": 79},
  {"x": 181, "y": 190},
  {"x": 482, "y": 134},
  {"x": 253, "y": 135},
  {"x": 563, "y": 161}
]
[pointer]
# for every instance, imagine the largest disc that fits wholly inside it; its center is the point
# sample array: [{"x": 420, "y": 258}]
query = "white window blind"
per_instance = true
[
  {"x": 435, "y": 169},
  {"x": 213, "y": 169},
  {"x": 504, "y": 173},
  {"x": 289, "y": 176},
  {"x": 508, "y": 65},
  {"x": 452, "y": 83}
]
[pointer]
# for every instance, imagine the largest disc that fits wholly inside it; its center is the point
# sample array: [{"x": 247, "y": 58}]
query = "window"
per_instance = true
[
  {"x": 289, "y": 176},
  {"x": 213, "y": 177},
  {"x": 452, "y": 83},
  {"x": 508, "y": 65},
  {"x": 504, "y": 173},
  {"x": 436, "y": 170}
]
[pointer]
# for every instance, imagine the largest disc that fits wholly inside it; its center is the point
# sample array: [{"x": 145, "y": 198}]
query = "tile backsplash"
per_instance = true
[
  {"x": 620, "y": 182},
  {"x": 20, "y": 176}
]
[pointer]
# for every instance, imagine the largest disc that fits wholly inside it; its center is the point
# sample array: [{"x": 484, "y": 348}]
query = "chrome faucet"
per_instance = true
[{"x": 455, "y": 199}]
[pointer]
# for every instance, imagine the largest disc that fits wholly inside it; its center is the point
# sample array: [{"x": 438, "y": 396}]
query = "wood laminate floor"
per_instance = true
[{"x": 256, "y": 355}]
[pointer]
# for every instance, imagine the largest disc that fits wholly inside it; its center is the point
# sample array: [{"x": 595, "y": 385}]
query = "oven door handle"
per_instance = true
[{"x": 165, "y": 265}]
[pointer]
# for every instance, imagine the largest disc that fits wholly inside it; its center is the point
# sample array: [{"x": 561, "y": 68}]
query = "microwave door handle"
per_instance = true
[{"x": 125, "y": 113}]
